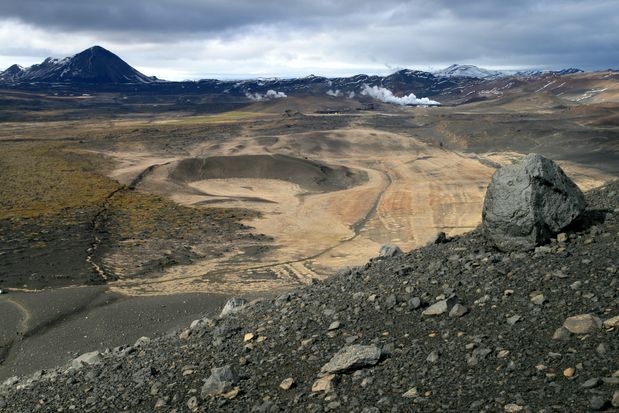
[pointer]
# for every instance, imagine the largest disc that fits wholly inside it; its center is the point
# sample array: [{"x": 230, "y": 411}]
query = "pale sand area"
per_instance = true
[{"x": 413, "y": 191}]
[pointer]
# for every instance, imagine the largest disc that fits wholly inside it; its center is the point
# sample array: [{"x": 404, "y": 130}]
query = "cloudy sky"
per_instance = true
[{"x": 191, "y": 39}]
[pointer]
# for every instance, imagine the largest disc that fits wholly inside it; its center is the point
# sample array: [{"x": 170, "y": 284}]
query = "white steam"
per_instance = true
[
  {"x": 271, "y": 94},
  {"x": 385, "y": 95},
  {"x": 336, "y": 94}
]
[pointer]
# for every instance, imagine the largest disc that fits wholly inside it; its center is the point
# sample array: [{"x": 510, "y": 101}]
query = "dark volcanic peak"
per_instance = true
[
  {"x": 93, "y": 65},
  {"x": 12, "y": 73}
]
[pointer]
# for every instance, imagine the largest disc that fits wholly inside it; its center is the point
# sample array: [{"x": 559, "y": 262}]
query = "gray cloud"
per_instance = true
[{"x": 269, "y": 37}]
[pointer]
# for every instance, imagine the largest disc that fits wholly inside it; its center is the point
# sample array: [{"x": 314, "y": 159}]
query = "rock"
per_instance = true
[
  {"x": 185, "y": 334},
  {"x": 561, "y": 334},
  {"x": 93, "y": 357},
  {"x": 562, "y": 237},
  {"x": 201, "y": 323},
  {"x": 440, "y": 307},
  {"x": 324, "y": 384},
  {"x": 458, "y": 310},
  {"x": 528, "y": 202},
  {"x": 513, "y": 408},
  {"x": 414, "y": 302},
  {"x": 389, "y": 250},
  {"x": 286, "y": 384},
  {"x": 597, "y": 403},
  {"x": 248, "y": 337},
  {"x": 601, "y": 349},
  {"x": 352, "y": 357},
  {"x": 411, "y": 393},
  {"x": 582, "y": 324},
  {"x": 142, "y": 341},
  {"x": 221, "y": 380},
  {"x": 233, "y": 305},
  {"x": 615, "y": 399},
  {"x": 192, "y": 403},
  {"x": 612, "y": 322},
  {"x": 569, "y": 372},
  {"x": 334, "y": 326},
  {"x": 513, "y": 319},
  {"x": 432, "y": 357},
  {"x": 591, "y": 383},
  {"x": 439, "y": 238},
  {"x": 537, "y": 298}
]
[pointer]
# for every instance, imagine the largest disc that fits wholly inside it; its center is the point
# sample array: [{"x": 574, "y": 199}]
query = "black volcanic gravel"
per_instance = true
[{"x": 479, "y": 361}]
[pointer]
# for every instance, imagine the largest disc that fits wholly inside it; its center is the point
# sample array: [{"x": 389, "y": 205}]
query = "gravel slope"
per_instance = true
[{"x": 498, "y": 356}]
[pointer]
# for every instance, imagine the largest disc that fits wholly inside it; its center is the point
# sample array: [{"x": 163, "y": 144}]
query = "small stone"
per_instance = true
[
  {"x": 458, "y": 310},
  {"x": 92, "y": 357},
  {"x": 192, "y": 403},
  {"x": 561, "y": 334},
  {"x": 185, "y": 334},
  {"x": 334, "y": 326},
  {"x": 142, "y": 341},
  {"x": 502, "y": 354},
  {"x": 612, "y": 322},
  {"x": 160, "y": 403},
  {"x": 324, "y": 384},
  {"x": 220, "y": 381},
  {"x": 562, "y": 237},
  {"x": 601, "y": 349},
  {"x": 432, "y": 357},
  {"x": 569, "y": 372},
  {"x": 513, "y": 408},
  {"x": 582, "y": 324},
  {"x": 597, "y": 403},
  {"x": 537, "y": 298},
  {"x": 286, "y": 384},
  {"x": 233, "y": 305},
  {"x": 414, "y": 302},
  {"x": 389, "y": 250},
  {"x": 440, "y": 307},
  {"x": 248, "y": 337},
  {"x": 513, "y": 319},
  {"x": 591, "y": 383},
  {"x": 352, "y": 357},
  {"x": 615, "y": 399},
  {"x": 411, "y": 393},
  {"x": 232, "y": 393}
]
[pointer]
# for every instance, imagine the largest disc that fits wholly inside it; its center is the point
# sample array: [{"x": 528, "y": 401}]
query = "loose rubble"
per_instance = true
[{"x": 386, "y": 353}]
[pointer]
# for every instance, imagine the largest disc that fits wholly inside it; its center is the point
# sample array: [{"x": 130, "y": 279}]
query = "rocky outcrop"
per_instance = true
[{"x": 528, "y": 202}]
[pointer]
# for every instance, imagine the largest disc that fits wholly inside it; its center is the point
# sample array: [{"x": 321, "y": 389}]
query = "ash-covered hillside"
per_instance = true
[{"x": 455, "y": 326}]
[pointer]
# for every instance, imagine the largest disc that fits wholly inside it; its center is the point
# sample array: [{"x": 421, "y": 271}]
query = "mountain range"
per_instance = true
[{"x": 97, "y": 69}]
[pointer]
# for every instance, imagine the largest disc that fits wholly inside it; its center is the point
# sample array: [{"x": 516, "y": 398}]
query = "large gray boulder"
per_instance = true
[{"x": 528, "y": 202}]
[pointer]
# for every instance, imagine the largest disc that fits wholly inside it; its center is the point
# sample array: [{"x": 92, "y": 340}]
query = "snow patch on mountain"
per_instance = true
[
  {"x": 468, "y": 71},
  {"x": 387, "y": 96}
]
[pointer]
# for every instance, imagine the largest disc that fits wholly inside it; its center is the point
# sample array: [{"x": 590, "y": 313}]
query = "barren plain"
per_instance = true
[{"x": 158, "y": 211}]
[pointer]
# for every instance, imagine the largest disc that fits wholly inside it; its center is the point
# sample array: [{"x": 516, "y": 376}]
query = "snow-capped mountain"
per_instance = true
[
  {"x": 470, "y": 71},
  {"x": 537, "y": 73},
  {"x": 93, "y": 65}
]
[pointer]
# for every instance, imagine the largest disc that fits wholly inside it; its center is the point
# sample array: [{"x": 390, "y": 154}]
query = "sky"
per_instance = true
[{"x": 235, "y": 39}]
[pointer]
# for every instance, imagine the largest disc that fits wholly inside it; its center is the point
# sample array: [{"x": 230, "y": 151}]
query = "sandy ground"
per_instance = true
[{"x": 413, "y": 191}]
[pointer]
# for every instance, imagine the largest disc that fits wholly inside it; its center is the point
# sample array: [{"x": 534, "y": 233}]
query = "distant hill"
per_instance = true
[
  {"x": 469, "y": 71},
  {"x": 93, "y": 65}
]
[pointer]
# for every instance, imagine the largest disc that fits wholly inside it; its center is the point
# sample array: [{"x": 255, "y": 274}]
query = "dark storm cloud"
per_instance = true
[{"x": 345, "y": 33}]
